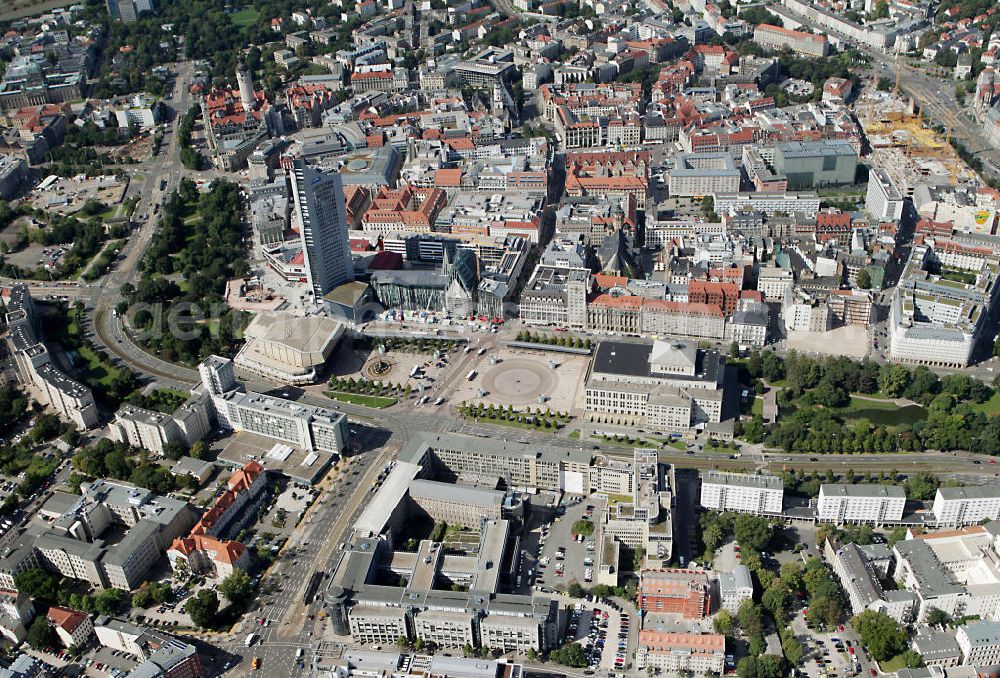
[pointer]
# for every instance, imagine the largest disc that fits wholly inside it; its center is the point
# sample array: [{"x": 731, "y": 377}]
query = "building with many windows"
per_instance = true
[
  {"x": 979, "y": 642},
  {"x": 878, "y": 504},
  {"x": 663, "y": 386},
  {"x": 678, "y": 591},
  {"x": 883, "y": 201},
  {"x": 960, "y": 506},
  {"x": 700, "y": 174},
  {"x": 742, "y": 492},
  {"x": 320, "y": 215},
  {"x": 681, "y": 653}
]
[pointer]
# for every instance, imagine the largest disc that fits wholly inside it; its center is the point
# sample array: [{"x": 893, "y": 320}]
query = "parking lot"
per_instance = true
[
  {"x": 830, "y": 654},
  {"x": 557, "y": 558},
  {"x": 603, "y": 631}
]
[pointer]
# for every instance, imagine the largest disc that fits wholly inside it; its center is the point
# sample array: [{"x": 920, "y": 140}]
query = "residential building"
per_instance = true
[
  {"x": 742, "y": 492},
  {"x": 680, "y": 591},
  {"x": 321, "y": 217},
  {"x": 73, "y": 627},
  {"x": 152, "y": 430},
  {"x": 979, "y": 642},
  {"x": 863, "y": 503},
  {"x": 960, "y": 506},
  {"x": 13, "y": 176},
  {"x": 734, "y": 588},
  {"x": 35, "y": 367},
  {"x": 767, "y": 203},
  {"x": 681, "y": 653},
  {"x": 861, "y": 581},
  {"x": 938, "y": 648}
]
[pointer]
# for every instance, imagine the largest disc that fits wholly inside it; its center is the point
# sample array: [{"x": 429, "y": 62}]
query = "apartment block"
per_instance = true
[
  {"x": 980, "y": 643},
  {"x": 734, "y": 588},
  {"x": 35, "y": 367},
  {"x": 742, "y": 493},
  {"x": 960, "y": 506},
  {"x": 862, "y": 503},
  {"x": 681, "y": 653}
]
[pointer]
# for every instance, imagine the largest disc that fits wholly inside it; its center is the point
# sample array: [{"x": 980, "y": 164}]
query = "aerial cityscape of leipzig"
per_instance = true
[{"x": 499, "y": 338}]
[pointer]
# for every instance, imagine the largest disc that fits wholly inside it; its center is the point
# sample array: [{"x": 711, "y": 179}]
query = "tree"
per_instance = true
[
  {"x": 723, "y": 622},
  {"x": 531, "y": 655},
  {"x": 570, "y": 654},
  {"x": 752, "y": 532},
  {"x": 775, "y": 600},
  {"x": 765, "y": 666},
  {"x": 912, "y": 659},
  {"x": 864, "y": 279},
  {"x": 751, "y": 618},
  {"x": 142, "y": 597},
  {"x": 792, "y": 649},
  {"x": 203, "y": 607},
  {"x": 237, "y": 587},
  {"x": 37, "y": 583},
  {"x": 880, "y": 633},
  {"x": 575, "y": 590},
  {"x": 824, "y": 612},
  {"x": 936, "y": 617},
  {"x": 41, "y": 634},
  {"x": 584, "y": 527},
  {"x": 884, "y": 84},
  {"x": 109, "y": 601}
]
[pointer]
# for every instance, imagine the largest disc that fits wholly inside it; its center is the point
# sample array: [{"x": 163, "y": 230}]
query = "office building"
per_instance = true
[
  {"x": 734, "y": 588},
  {"x": 679, "y": 591},
  {"x": 456, "y": 504},
  {"x": 816, "y": 164},
  {"x": 13, "y": 175},
  {"x": 767, "y": 203},
  {"x": 935, "y": 320},
  {"x": 681, "y": 653},
  {"x": 960, "y": 506},
  {"x": 701, "y": 174},
  {"x": 980, "y": 643},
  {"x": 321, "y": 218},
  {"x": 778, "y": 38},
  {"x": 878, "y": 504},
  {"x": 742, "y": 492},
  {"x": 883, "y": 201}
]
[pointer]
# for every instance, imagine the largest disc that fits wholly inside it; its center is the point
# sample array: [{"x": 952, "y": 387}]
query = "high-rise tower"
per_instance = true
[
  {"x": 321, "y": 216},
  {"x": 245, "y": 82}
]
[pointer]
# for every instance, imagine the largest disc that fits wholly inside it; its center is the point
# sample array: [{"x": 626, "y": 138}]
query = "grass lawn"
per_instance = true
[
  {"x": 94, "y": 371},
  {"x": 377, "y": 402},
  {"x": 575, "y": 435},
  {"x": 515, "y": 424},
  {"x": 890, "y": 666},
  {"x": 991, "y": 407},
  {"x": 244, "y": 17},
  {"x": 884, "y": 413},
  {"x": 757, "y": 408},
  {"x": 678, "y": 445}
]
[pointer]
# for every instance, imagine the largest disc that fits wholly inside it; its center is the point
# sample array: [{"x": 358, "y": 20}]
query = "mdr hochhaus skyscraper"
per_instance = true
[{"x": 321, "y": 216}]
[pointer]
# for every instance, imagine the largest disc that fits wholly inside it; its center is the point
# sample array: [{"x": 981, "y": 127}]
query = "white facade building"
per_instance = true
[
  {"x": 742, "y": 493},
  {"x": 959, "y": 506},
  {"x": 877, "y": 504},
  {"x": 883, "y": 201}
]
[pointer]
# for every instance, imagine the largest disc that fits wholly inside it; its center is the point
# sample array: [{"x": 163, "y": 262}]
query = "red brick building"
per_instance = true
[
  {"x": 722, "y": 294},
  {"x": 675, "y": 590}
]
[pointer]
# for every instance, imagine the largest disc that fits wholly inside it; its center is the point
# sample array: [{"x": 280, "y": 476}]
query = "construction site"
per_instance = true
[{"x": 905, "y": 146}]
